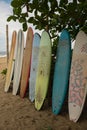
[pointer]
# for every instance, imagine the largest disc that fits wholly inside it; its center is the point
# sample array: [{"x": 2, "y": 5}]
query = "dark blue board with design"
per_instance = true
[{"x": 61, "y": 71}]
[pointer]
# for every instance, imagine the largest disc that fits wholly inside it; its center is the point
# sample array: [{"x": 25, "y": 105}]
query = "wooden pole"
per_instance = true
[{"x": 7, "y": 43}]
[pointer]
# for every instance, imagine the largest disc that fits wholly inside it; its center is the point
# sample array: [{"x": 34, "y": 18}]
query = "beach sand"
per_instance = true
[{"x": 19, "y": 114}]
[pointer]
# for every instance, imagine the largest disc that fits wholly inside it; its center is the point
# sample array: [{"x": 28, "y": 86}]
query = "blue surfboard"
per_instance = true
[
  {"x": 34, "y": 64},
  {"x": 61, "y": 71}
]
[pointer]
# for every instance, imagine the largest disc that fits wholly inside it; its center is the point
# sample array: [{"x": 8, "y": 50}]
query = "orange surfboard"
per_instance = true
[
  {"x": 26, "y": 63},
  {"x": 11, "y": 62}
]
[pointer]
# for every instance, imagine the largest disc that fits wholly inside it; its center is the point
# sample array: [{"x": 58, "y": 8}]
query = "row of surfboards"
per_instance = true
[{"x": 31, "y": 67}]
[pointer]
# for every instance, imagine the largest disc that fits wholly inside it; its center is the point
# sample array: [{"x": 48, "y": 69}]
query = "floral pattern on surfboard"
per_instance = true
[{"x": 77, "y": 83}]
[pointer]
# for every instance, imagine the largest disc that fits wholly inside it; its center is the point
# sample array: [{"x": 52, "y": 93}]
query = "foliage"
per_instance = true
[
  {"x": 4, "y": 72},
  {"x": 49, "y": 15}
]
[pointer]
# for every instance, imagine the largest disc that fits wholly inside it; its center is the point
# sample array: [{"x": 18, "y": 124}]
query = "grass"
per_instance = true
[
  {"x": 47, "y": 128},
  {"x": 4, "y": 71}
]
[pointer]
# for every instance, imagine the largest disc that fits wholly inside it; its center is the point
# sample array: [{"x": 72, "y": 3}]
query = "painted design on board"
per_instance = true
[
  {"x": 44, "y": 64},
  {"x": 84, "y": 48},
  {"x": 77, "y": 83}
]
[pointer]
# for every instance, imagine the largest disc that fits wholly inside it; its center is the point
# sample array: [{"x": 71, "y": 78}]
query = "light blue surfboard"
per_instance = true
[
  {"x": 34, "y": 63},
  {"x": 61, "y": 71}
]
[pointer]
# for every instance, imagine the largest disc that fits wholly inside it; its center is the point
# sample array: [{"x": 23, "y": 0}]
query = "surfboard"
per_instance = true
[
  {"x": 34, "y": 64},
  {"x": 43, "y": 71},
  {"x": 78, "y": 77},
  {"x": 26, "y": 63},
  {"x": 10, "y": 63},
  {"x": 61, "y": 71},
  {"x": 18, "y": 61}
]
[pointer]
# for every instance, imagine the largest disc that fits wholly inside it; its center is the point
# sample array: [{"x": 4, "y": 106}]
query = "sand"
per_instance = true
[{"x": 19, "y": 114}]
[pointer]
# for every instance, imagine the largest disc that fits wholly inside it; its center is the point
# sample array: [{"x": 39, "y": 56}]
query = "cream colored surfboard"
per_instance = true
[
  {"x": 18, "y": 61},
  {"x": 78, "y": 77},
  {"x": 11, "y": 62}
]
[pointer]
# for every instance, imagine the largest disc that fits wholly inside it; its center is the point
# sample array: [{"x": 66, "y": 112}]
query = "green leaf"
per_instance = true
[
  {"x": 30, "y": 20},
  {"x": 17, "y": 11},
  {"x": 9, "y": 18},
  {"x": 24, "y": 14},
  {"x": 24, "y": 26},
  {"x": 12, "y": 18},
  {"x": 14, "y": 3},
  {"x": 17, "y": 3},
  {"x": 22, "y": 19}
]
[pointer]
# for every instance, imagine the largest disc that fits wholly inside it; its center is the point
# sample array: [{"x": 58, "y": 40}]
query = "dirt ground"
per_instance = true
[{"x": 20, "y": 114}]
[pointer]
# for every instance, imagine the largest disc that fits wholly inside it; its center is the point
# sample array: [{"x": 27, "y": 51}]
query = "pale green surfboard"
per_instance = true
[{"x": 43, "y": 71}]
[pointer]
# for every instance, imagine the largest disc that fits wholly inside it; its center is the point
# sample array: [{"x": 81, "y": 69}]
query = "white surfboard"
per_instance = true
[
  {"x": 34, "y": 63},
  {"x": 78, "y": 77},
  {"x": 18, "y": 61}
]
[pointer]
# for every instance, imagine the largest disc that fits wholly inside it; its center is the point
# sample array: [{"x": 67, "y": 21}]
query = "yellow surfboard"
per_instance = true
[
  {"x": 43, "y": 71},
  {"x": 11, "y": 62}
]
